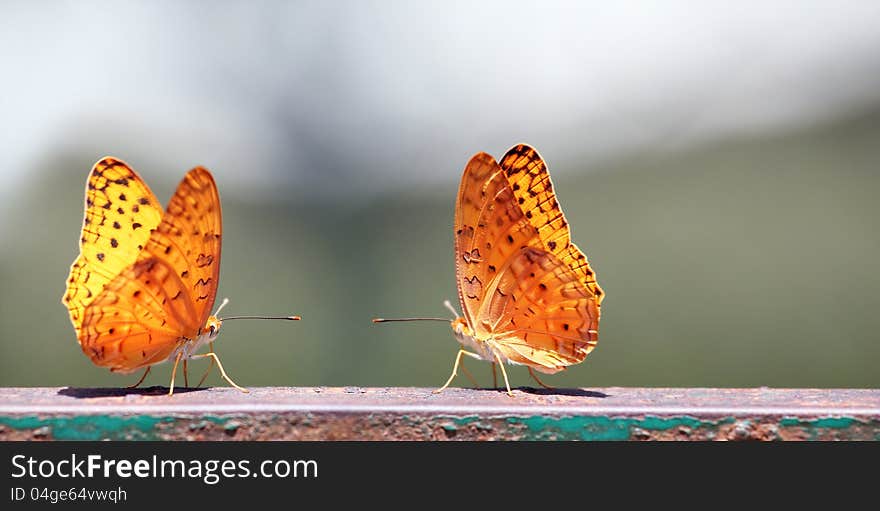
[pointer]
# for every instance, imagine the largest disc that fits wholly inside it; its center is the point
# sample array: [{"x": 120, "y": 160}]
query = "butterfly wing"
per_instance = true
[
  {"x": 521, "y": 281},
  {"x": 120, "y": 212},
  {"x": 189, "y": 241},
  {"x": 166, "y": 295},
  {"x": 540, "y": 312},
  {"x": 489, "y": 228},
  {"x": 533, "y": 191}
]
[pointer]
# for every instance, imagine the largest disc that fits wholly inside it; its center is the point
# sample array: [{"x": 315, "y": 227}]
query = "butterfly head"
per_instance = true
[
  {"x": 212, "y": 327},
  {"x": 460, "y": 327}
]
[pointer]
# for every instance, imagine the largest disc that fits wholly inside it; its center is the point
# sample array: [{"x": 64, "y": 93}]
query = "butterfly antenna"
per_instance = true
[
  {"x": 386, "y": 320},
  {"x": 288, "y": 318},
  {"x": 448, "y": 305},
  {"x": 226, "y": 300}
]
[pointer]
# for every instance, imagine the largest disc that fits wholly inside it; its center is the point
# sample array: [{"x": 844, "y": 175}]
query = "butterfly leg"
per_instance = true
[
  {"x": 174, "y": 373},
  {"x": 494, "y": 377},
  {"x": 455, "y": 368},
  {"x": 504, "y": 373},
  {"x": 143, "y": 377},
  {"x": 185, "y": 375},
  {"x": 220, "y": 367},
  {"x": 535, "y": 376},
  {"x": 211, "y": 366}
]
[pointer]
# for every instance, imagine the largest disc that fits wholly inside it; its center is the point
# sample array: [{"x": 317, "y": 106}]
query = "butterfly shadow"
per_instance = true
[
  {"x": 93, "y": 392},
  {"x": 554, "y": 392},
  {"x": 575, "y": 392}
]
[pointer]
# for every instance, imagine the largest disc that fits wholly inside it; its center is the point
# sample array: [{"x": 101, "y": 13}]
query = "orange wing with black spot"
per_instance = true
[
  {"x": 522, "y": 283},
  {"x": 154, "y": 292},
  {"x": 120, "y": 213}
]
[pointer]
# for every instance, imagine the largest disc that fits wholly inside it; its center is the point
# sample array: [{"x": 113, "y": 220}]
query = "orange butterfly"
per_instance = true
[
  {"x": 142, "y": 288},
  {"x": 528, "y": 293}
]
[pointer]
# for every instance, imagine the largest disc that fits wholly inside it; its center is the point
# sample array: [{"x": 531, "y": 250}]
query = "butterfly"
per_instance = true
[
  {"x": 528, "y": 294},
  {"x": 141, "y": 291}
]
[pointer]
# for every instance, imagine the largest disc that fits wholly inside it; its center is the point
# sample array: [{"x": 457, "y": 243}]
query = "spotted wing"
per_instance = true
[
  {"x": 533, "y": 190},
  {"x": 540, "y": 312},
  {"x": 120, "y": 212},
  {"x": 489, "y": 228}
]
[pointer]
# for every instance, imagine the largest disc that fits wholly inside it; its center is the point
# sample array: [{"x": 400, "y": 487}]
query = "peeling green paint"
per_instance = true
[
  {"x": 232, "y": 426},
  {"x": 815, "y": 427},
  {"x": 603, "y": 427},
  {"x": 825, "y": 422},
  {"x": 112, "y": 427},
  {"x": 545, "y": 427},
  {"x": 500, "y": 426},
  {"x": 472, "y": 420},
  {"x": 94, "y": 427},
  {"x": 215, "y": 419}
]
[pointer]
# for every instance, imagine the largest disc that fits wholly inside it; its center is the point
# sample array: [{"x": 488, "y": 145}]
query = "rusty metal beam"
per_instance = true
[{"x": 355, "y": 413}]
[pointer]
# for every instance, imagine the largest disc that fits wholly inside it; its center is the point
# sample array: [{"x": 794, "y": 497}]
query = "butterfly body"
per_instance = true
[
  {"x": 527, "y": 293},
  {"x": 465, "y": 336},
  {"x": 189, "y": 346}
]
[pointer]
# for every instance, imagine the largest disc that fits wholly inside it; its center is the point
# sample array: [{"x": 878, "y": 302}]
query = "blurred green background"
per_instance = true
[{"x": 718, "y": 165}]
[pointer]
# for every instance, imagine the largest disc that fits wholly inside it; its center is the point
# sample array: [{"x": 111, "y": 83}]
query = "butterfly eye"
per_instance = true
[{"x": 212, "y": 329}]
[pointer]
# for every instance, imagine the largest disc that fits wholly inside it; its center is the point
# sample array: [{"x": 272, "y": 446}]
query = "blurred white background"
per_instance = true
[{"x": 307, "y": 91}]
